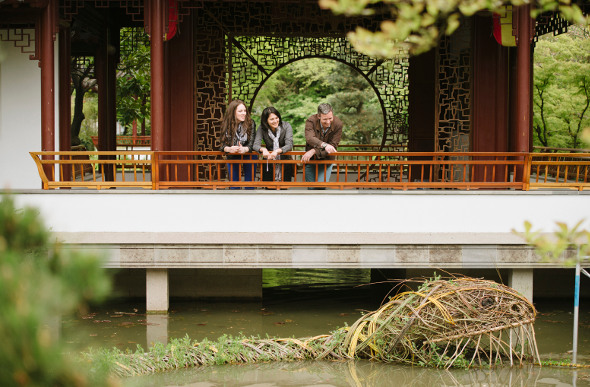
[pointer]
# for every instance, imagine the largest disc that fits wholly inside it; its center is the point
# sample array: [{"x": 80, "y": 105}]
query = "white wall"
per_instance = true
[
  {"x": 20, "y": 118},
  {"x": 339, "y": 217}
]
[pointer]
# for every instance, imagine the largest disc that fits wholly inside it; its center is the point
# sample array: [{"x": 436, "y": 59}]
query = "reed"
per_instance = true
[{"x": 463, "y": 322}]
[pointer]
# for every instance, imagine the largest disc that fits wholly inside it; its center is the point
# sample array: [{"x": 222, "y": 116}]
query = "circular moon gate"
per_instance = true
[{"x": 253, "y": 59}]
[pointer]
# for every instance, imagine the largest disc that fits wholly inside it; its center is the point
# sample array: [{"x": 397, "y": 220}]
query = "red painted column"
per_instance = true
[
  {"x": 47, "y": 83},
  {"x": 64, "y": 95},
  {"x": 105, "y": 65},
  {"x": 523, "y": 80},
  {"x": 157, "y": 72}
]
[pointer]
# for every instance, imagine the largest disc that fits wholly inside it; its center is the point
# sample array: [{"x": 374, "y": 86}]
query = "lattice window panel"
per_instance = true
[
  {"x": 22, "y": 38},
  {"x": 82, "y": 64},
  {"x": 454, "y": 97},
  {"x": 236, "y": 39},
  {"x": 131, "y": 38},
  {"x": 550, "y": 23},
  {"x": 133, "y": 8},
  {"x": 252, "y": 59}
]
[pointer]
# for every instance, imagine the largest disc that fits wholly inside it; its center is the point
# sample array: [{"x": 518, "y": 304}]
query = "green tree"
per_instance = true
[
  {"x": 357, "y": 104},
  {"x": 297, "y": 89},
  {"x": 83, "y": 81},
  {"x": 562, "y": 88},
  {"x": 134, "y": 80},
  {"x": 40, "y": 280},
  {"x": 417, "y": 25}
]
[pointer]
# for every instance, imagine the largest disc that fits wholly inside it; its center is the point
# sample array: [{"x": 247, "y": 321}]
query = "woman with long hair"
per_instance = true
[
  {"x": 237, "y": 138},
  {"x": 278, "y": 140}
]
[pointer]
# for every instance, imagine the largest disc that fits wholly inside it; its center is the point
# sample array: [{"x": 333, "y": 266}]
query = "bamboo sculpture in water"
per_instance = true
[{"x": 462, "y": 322}]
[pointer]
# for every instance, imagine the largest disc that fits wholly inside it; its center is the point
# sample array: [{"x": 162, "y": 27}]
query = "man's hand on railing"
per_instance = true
[
  {"x": 329, "y": 148},
  {"x": 307, "y": 155}
]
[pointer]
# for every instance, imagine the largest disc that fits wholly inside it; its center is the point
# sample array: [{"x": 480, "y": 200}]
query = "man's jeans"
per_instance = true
[{"x": 310, "y": 176}]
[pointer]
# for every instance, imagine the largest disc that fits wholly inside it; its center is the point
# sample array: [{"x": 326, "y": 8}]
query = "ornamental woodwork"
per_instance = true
[{"x": 234, "y": 58}]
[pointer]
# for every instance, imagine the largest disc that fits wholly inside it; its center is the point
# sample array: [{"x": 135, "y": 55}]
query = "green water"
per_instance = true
[{"x": 300, "y": 303}]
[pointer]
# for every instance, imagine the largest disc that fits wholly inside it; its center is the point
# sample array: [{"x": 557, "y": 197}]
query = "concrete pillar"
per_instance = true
[
  {"x": 156, "y": 290},
  {"x": 156, "y": 329},
  {"x": 521, "y": 280}
]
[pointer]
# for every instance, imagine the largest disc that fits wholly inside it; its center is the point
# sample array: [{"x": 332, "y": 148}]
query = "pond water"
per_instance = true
[{"x": 301, "y": 303}]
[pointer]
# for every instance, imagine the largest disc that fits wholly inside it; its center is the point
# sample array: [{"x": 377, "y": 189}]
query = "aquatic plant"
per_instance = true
[{"x": 464, "y": 322}]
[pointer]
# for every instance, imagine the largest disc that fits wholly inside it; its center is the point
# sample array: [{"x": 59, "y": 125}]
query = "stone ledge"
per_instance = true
[
  {"x": 317, "y": 256},
  {"x": 288, "y": 238}
]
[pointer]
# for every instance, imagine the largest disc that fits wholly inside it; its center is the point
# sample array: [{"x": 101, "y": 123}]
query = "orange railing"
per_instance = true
[
  {"x": 560, "y": 170},
  {"x": 357, "y": 170},
  {"x": 128, "y": 141},
  {"x": 94, "y": 170},
  {"x": 401, "y": 170}
]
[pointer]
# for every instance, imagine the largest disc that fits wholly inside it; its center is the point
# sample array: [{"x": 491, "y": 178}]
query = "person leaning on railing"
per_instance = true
[
  {"x": 237, "y": 138},
  {"x": 323, "y": 132},
  {"x": 278, "y": 139}
]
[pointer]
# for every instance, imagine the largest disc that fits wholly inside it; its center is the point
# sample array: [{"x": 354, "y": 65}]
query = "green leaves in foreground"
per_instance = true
[
  {"x": 416, "y": 26},
  {"x": 562, "y": 244},
  {"x": 40, "y": 281}
]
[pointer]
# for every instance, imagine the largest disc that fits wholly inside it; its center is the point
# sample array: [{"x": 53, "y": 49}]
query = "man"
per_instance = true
[{"x": 323, "y": 132}]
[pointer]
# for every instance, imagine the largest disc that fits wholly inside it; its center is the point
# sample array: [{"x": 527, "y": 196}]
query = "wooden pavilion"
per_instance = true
[{"x": 468, "y": 94}]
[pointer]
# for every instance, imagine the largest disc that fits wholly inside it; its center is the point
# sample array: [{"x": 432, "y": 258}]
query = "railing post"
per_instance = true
[
  {"x": 526, "y": 175},
  {"x": 155, "y": 170}
]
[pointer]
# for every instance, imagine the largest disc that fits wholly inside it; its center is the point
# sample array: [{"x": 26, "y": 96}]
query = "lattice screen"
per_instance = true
[
  {"x": 254, "y": 40},
  {"x": 453, "y": 132},
  {"x": 454, "y": 97}
]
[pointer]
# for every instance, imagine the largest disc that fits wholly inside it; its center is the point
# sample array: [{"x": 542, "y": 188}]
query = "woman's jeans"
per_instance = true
[{"x": 234, "y": 169}]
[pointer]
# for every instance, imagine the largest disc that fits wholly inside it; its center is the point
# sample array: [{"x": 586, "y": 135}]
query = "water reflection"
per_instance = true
[
  {"x": 356, "y": 374},
  {"x": 157, "y": 328}
]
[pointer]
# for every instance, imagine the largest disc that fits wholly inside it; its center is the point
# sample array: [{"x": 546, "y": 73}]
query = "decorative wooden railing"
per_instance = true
[
  {"x": 546, "y": 149},
  {"x": 128, "y": 141},
  {"x": 560, "y": 170},
  {"x": 146, "y": 141},
  {"x": 95, "y": 170},
  {"x": 357, "y": 170}
]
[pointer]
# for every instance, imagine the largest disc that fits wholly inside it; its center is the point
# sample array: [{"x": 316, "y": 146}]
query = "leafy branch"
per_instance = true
[
  {"x": 556, "y": 247},
  {"x": 417, "y": 26}
]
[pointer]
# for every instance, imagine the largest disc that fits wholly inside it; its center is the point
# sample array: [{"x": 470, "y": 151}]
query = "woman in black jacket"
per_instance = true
[
  {"x": 278, "y": 140},
  {"x": 237, "y": 138}
]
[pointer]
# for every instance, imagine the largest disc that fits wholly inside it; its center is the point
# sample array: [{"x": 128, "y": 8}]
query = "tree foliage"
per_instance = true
[
  {"x": 134, "y": 81},
  {"x": 561, "y": 94},
  {"x": 40, "y": 281},
  {"x": 83, "y": 81},
  {"x": 555, "y": 246},
  {"x": 297, "y": 89},
  {"x": 418, "y": 25}
]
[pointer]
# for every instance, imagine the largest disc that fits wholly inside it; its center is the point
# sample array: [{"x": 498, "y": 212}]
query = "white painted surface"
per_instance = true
[
  {"x": 271, "y": 215},
  {"x": 20, "y": 118}
]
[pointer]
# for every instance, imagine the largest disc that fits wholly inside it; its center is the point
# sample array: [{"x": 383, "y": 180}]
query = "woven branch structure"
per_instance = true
[{"x": 463, "y": 322}]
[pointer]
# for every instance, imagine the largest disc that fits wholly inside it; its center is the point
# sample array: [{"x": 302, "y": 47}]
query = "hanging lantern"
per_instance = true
[
  {"x": 503, "y": 30},
  {"x": 172, "y": 19}
]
